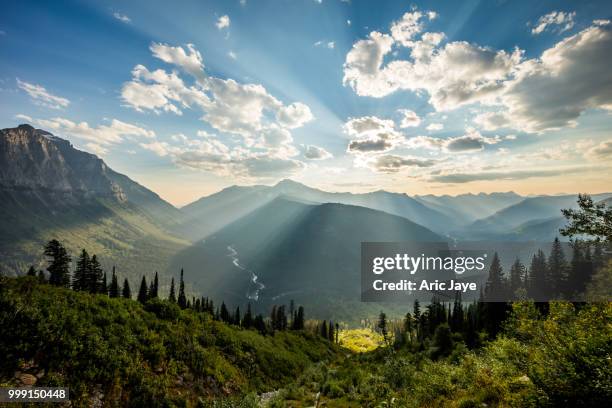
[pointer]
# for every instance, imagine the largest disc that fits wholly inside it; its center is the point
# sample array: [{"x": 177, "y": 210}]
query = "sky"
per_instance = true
[{"x": 429, "y": 97}]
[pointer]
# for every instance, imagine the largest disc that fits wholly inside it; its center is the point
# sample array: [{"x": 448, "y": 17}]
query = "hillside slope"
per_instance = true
[{"x": 49, "y": 189}]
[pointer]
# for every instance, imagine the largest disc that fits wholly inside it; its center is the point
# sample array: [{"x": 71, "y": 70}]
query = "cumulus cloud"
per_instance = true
[
  {"x": 558, "y": 21},
  {"x": 390, "y": 163},
  {"x": 454, "y": 74},
  {"x": 470, "y": 142},
  {"x": 551, "y": 92},
  {"x": 532, "y": 95},
  {"x": 223, "y": 22},
  {"x": 409, "y": 118},
  {"x": 262, "y": 122},
  {"x": 316, "y": 153},
  {"x": 435, "y": 127},
  {"x": 40, "y": 96},
  {"x": 371, "y": 134},
  {"x": 122, "y": 17}
]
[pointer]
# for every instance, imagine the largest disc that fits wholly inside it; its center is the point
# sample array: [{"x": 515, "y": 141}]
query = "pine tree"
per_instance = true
[
  {"x": 59, "y": 264},
  {"x": 182, "y": 299},
  {"x": 31, "y": 271},
  {"x": 154, "y": 289},
  {"x": 382, "y": 326},
  {"x": 79, "y": 279},
  {"x": 299, "y": 319},
  {"x": 517, "y": 277},
  {"x": 126, "y": 291},
  {"x": 224, "y": 313},
  {"x": 172, "y": 296},
  {"x": 260, "y": 324},
  {"x": 247, "y": 320},
  {"x": 456, "y": 320},
  {"x": 113, "y": 290},
  {"x": 536, "y": 284},
  {"x": 330, "y": 331},
  {"x": 95, "y": 275},
  {"x": 557, "y": 270},
  {"x": 416, "y": 309},
  {"x": 104, "y": 285},
  {"x": 236, "y": 319},
  {"x": 494, "y": 289},
  {"x": 142, "y": 293}
]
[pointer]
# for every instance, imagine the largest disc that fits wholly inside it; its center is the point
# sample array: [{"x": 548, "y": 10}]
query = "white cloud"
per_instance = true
[
  {"x": 603, "y": 151},
  {"x": 470, "y": 142},
  {"x": 552, "y": 92},
  {"x": 435, "y": 127},
  {"x": 316, "y": 153},
  {"x": 558, "y": 21},
  {"x": 40, "y": 96},
  {"x": 99, "y": 138},
  {"x": 223, "y": 22},
  {"x": 389, "y": 163},
  {"x": 262, "y": 122},
  {"x": 122, "y": 17},
  {"x": 232, "y": 55},
  {"x": 409, "y": 118},
  {"x": 367, "y": 124},
  {"x": 534, "y": 95},
  {"x": 455, "y": 74},
  {"x": 330, "y": 44},
  {"x": 25, "y": 118}
]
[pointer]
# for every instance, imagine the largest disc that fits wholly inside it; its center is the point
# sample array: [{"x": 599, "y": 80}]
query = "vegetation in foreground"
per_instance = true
[{"x": 121, "y": 352}]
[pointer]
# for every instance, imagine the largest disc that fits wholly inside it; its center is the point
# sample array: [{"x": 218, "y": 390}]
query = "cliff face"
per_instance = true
[{"x": 34, "y": 160}]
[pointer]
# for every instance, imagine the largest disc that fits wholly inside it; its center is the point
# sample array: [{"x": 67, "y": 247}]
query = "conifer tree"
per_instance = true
[
  {"x": 142, "y": 292},
  {"x": 330, "y": 331},
  {"x": 104, "y": 285},
  {"x": 337, "y": 332},
  {"x": 41, "y": 276},
  {"x": 113, "y": 290},
  {"x": 59, "y": 264},
  {"x": 154, "y": 289},
  {"x": 494, "y": 289},
  {"x": 557, "y": 269},
  {"x": 31, "y": 271},
  {"x": 237, "y": 316},
  {"x": 536, "y": 287},
  {"x": 382, "y": 326},
  {"x": 247, "y": 320},
  {"x": 456, "y": 320},
  {"x": 126, "y": 292},
  {"x": 224, "y": 313},
  {"x": 182, "y": 299},
  {"x": 172, "y": 296},
  {"x": 79, "y": 279},
  {"x": 517, "y": 277},
  {"x": 95, "y": 275},
  {"x": 324, "y": 329},
  {"x": 299, "y": 319},
  {"x": 260, "y": 324}
]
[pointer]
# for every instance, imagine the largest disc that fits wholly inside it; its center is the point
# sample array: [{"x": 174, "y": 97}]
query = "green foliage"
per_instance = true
[{"x": 148, "y": 355}]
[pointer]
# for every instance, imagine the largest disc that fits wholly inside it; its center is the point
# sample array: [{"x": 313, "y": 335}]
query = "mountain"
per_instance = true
[
  {"x": 211, "y": 213},
  {"x": 468, "y": 208},
  {"x": 290, "y": 249},
  {"x": 539, "y": 216},
  {"x": 49, "y": 189}
]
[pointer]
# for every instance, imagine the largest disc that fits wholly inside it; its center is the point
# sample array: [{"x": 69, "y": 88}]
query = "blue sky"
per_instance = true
[{"x": 466, "y": 96}]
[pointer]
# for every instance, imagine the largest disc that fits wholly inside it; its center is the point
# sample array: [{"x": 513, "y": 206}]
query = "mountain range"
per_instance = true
[{"x": 259, "y": 242}]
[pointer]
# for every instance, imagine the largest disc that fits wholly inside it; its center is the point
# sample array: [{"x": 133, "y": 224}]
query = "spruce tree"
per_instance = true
[
  {"x": 536, "y": 284},
  {"x": 247, "y": 320},
  {"x": 299, "y": 319},
  {"x": 172, "y": 296},
  {"x": 557, "y": 269},
  {"x": 126, "y": 292},
  {"x": 95, "y": 275},
  {"x": 79, "y": 279},
  {"x": 237, "y": 316},
  {"x": 382, "y": 326},
  {"x": 154, "y": 288},
  {"x": 31, "y": 271},
  {"x": 517, "y": 277},
  {"x": 142, "y": 293},
  {"x": 59, "y": 264},
  {"x": 224, "y": 313},
  {"x": 330, "y": 331},
  {"x": 113, "y": 290},
  {"x": 104, "y": 285},
  {"x": 182, "y": 299},
  {"x": 456, "y": 320},
  {"x": 495, "y": 286}
]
